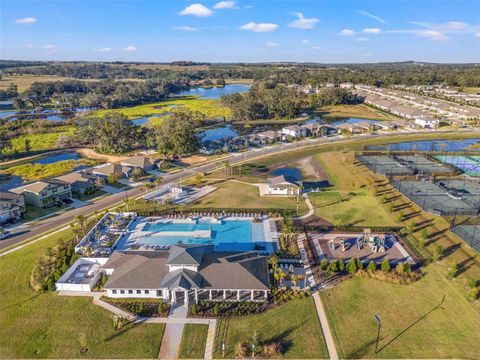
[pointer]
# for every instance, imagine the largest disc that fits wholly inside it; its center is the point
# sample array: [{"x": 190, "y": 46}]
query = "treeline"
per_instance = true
[
  {"x": 271, "y": 101},
  {"x": 106, "y": 94},
  {"x": 408, "y": 73}
]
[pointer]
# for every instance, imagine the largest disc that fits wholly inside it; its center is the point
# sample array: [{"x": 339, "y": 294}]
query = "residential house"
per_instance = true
[
  {"x": 187, "y": 273},
  {"x": 319, "y": 130},
  {"x": 139, "y": 162},
  {"x": 283, "y": 186},
  {"x": 81, "y": 183},
  {"x": 295, "y": 131},
  {"x": 44, "y": 193},
  {"x": 269, "y": 136},
  {"x": 12, "y": 207},
  {"x": 105, "y": 170},
  {"x": 427, "y": 122}
]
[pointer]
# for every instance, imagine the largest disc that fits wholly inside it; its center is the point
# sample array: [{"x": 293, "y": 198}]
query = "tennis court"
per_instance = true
[
  {"x": 423, "y": 165},
  {"x": 469, "y": 165},
  {"x": 470, "y": 234}
]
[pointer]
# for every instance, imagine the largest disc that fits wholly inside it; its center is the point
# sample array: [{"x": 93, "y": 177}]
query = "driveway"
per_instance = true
[{"x": 111, "y": 189}]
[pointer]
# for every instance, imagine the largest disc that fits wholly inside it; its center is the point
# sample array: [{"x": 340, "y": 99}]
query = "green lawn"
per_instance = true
[
  {"x": 356, "y": 111},
  {"x": 427, "y": 319},
  {"x": 294, "y": 324},
  {"x": 49, "y": 326},
  {"x": 193, "y": 342},
  {"x": 34, "y": 212},
  {"x": 33, "y": 172},
  {"x": 211, "y": 108},
  {"x": 232, "y": 195},
  {"x": 39, "y": 141}
]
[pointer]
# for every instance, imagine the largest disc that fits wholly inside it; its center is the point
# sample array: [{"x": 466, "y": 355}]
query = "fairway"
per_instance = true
[
  {"x": 294, "y": 324},
  {"x": 427, "y": 319},
  {"x": 49, "y": 326},
  {"x": 194, "y": 338}
]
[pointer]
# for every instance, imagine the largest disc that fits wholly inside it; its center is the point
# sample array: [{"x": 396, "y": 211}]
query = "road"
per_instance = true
[{"x": 25, "y": 232}]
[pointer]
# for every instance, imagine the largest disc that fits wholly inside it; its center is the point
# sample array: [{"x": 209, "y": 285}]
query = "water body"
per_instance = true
[
  {"x": 56, "y": 158},
  {"x": 215, "y": 92},
  {"x": 290, "y": 172},
  {"x": 218, "y": 133},
  {"x": 10, "y": 182},
  {"x": 430, "y": 145},
  {"x": 49, "y": 114}
]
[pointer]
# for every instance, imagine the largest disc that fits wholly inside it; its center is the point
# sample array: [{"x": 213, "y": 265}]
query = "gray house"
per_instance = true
[{"x": 187, "y": 273}]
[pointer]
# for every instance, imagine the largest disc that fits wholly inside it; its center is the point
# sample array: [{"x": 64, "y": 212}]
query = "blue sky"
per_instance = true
[{"x": 243, "y": 31}]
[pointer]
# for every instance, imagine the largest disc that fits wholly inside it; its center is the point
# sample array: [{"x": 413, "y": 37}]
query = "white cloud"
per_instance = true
[
  {"x": 130, "y": 48},
  {"x": 185, "y": 28},
  {"x": 367, "y": 54},
  {"x": 262, "y": 27},
  {"x": 477, "y": 34},
  {"x": 225, "y": 5},
  {"x": 374, "y": 17},
  {"x": 196, "y": 10},
  {"x": 271, "y": 44},
  {"x": 456, "y": 25},
  {"x": 105, "y": 49},
  {"x": 346, "y": 32},
  {"x": 49, "y": 46},
  {"x": 433, "y": 34},
  {"x": 305, "y": 41},
  {"x": 372, "y": 30},
  {"x": 27, "y": 20},
  {"x": 362, "y": 39},
  {"x": 303, "y": 23},
  {"x": 318, "y": 47}
]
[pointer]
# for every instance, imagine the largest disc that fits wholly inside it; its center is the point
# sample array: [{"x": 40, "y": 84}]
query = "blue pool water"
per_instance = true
[{"x": 230, "y": 235}]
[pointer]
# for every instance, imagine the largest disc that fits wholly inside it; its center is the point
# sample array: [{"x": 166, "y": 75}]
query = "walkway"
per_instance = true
[
  {"x": 327, "y": 334},
  {"x": 311, "y": 209},
  {"x": 209, "y": 346},
  {"x": 172, "y": 336}
]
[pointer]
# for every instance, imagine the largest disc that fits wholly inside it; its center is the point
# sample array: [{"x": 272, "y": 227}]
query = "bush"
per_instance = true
[
  {"x": 323, "y": 265},
  {"x": 400, "y": 269},
  {"x": 340, "y": 265},
  {"x": 407, "y": 268},
  {"x": 193, "y": 309},
  {"x": 216, "y": 310},
  {"x": 473, "y": 294},
  {"x": 385, "y": 265},
  {"x": 352, "y": 266},
  {"x": 371, "y": 268},
  {"x": 438, "y": 253},
  {"x": 359, "y": 264},
  {"x": 392, "y": 277},
  {"x": 452, "y": 271},
  {"x": 332, "y": 267}
]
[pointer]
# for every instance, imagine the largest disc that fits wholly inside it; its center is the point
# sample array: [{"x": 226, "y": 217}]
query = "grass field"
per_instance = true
[
  {"x": 34, "y": 172},
  {"x": 209, "y": 107},
  {"x": 427, "y": 319},
  {"x": 194, "y": 338},
  {"x": 231, "y": 195},
  {"x": 49, "y": 326},
  {"x": 349, "y": 201},
  {"x": 39, "y": 141},
  {"x": 356, "y": 111},
  {"x": 295, "y": 325},
  {"x": 23, "y": 82}
]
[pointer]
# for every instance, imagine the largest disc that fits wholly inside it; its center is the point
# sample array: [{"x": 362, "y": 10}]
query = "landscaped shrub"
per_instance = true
[
  {"x": 139, "y": 306},
  {"x": 371, "y": 268},
  {"x": 323, "y": 265},
  {"x": 385, "y": 265},
  {"x": 392, "y": 276},
  {"x": 352, "y": 266}
]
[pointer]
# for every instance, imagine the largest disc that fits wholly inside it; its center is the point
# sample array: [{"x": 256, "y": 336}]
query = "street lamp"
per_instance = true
[{"x": 379, "y": 322}]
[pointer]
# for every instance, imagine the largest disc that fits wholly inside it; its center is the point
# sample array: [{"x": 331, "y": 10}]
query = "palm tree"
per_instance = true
[
  {"x": 226, "y": 166},
  {"x": 75, "y": 232},
  {"x": 279, "y": 276},
  {"x": 273, "y": 261},
  {"x": 82, "y": 222},
  {"x": 294, "y": 279}
]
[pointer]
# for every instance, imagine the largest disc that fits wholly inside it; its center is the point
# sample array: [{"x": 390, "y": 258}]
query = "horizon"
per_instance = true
[{"x": 327, "y": 32}]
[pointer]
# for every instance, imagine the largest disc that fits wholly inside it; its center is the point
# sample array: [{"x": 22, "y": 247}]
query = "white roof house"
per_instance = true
[{"x": 283, "y": 186}]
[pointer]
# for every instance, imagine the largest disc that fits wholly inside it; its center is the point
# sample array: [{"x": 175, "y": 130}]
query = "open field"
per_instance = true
[
  {"x": 194, "y": 338},
  {"x": 426, "y": 319},
  {"x": 349, "y": 201},
  {"x": 32, "y": 172},
  {"x": 356, "y": 111},
  {"x": 294, "y": 324},
  {"x": 23, "y": 82},
  {"x": 39, "y": 141},
  {"x": 470, "y": 90},
  {"x": 209, "y": 107},
  {"x": 231, "y": 195},
  {"x": 49, "y": 326}
]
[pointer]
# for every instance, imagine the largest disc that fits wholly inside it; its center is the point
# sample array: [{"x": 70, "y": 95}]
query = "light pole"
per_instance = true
[{"x": 379, "y": 322}]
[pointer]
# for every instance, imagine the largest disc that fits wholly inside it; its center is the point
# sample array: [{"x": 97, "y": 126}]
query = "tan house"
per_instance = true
[
  {"x": 105, "y": 170},
  {"x": 44, "y": 193},
  {"x": 80, "y": 183},
  {"x": 12, "y": 206},
  {"x": 139, "y": 162}
]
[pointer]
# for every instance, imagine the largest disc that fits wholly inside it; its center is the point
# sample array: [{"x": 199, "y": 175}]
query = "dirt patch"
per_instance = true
[
  {"x": 92, "y": 154},
  {"x": 311, "y": 169},
  {"x": 194, "y": 159}
]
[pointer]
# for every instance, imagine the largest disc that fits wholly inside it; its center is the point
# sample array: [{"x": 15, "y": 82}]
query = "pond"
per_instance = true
[
  {"x": 290, "y": 172},
  {"x": 10, "y": 182},
  {"x": 56, "y": 158},
  {"x": 50, "y": 114},
  {"x": 430, "y": 145},
  {"x": 218, "y": 133},
  {"x": 215, "y": 92}
]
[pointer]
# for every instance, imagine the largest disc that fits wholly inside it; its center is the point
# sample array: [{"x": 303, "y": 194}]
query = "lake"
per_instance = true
[
  {"x": 56, "y": 158},
  {"x": 290, "y": 172},
  {"x": 429, "y": 145},
  {"x": 218, "y": 133},
  {"x": 215, "y": 92}
]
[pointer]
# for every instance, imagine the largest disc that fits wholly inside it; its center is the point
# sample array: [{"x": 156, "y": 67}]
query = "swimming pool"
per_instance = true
[{"x": 226, "y": 235}]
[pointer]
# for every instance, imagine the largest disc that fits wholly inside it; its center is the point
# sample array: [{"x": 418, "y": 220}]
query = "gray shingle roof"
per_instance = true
[
  {"x": 182, "y": 278},
  {"x": 186, "y": 254}
]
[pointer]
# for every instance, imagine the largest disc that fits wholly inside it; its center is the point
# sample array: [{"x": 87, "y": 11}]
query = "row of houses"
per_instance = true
[
  {"x": 445, "y": 92},
  {"x": 50, "y": 192}
]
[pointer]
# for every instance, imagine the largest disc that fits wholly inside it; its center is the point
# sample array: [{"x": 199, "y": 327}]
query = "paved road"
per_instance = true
[{"x": 25, "y": 232}]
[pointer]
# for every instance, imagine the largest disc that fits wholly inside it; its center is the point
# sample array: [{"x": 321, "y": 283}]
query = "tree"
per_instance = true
[
  {"x": 27, "y": 145},
  {"x": 176, "y": 135},
  {"x": 452, "y": 270},
  {"x": 113, "y": 178},
  {"x": 438, "y": 253},
  {"x": 280, "y": 275},
  {"x": 400, "y": 268},
  {"x": 407, "y": 268},
  {"x": 216, "y": 310},
  {"x": 4, "y": 141},
  {"x": 352, "y": 266},
  {"x": 294, "y": 279},
  {"x": 340, "y": 265},
  {"x": 323, "y": 264},
  {"x": 385, "y": 265},
  {"x": 371, "y": 268},
  {"x": 198, "y": 179},
  {"x": 332, "y": 267},
  {"x": 359, "y": 264},
  {"x": 193, "y": 309}
]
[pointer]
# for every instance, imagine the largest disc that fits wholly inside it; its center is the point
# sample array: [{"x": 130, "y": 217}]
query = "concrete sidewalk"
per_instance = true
[{"x": 327, "y": 334}]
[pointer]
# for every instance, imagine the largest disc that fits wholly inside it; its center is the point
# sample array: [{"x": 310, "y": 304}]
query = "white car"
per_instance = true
[{"x": 4, "y": 234}]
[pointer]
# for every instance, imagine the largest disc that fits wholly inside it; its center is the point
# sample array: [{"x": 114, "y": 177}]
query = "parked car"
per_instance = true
[
  {"x": 4, "y": 234},
  {"x": 67, "y": 201}
]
